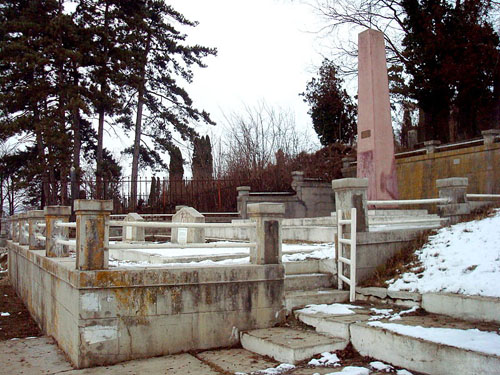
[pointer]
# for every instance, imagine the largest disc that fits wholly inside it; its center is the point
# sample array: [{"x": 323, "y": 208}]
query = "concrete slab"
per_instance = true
[
  {"x": 289, "y": 345},
  {"x": 184, "y": 364},
  {"x": 236, "y": 360},
  {"x": 308, "y": 281},
  {"x": 332, "y": 325},
  {"x": 301, "y": 298},
  {"x": 32, "y": 357}
]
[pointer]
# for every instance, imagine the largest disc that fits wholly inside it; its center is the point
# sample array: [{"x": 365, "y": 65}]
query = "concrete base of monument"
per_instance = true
[{"x": 110, "y": 316}]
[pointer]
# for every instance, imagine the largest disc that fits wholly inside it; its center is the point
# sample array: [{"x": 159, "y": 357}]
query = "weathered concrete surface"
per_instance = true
[
  {"x": 55, "y": 214},
  {"x": 108, "y": 316},
  {"x": 375, "y": 150},
  {"x": 267, "y": 235},
  {"x": 289, "y": 345},
  {"x": 333, "y": 325},
  {"x": 193, "y": 235},
  {"x": 420, "y": 355},
  {"x": 92, "y": 233},
  {"x": 352, "y": 193},
  {"x": 41, "y": 356},
  {"x": 133, "y": 234},
  {"x": 301, "y": 298},
  {"x": 35, "y": 217},
  {"x": 475, "y": 308},
  {"x": 237, "y": 360}
]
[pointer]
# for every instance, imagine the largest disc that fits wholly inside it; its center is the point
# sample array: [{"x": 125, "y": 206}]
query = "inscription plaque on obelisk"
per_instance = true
[{"x": 375, "y": 138}]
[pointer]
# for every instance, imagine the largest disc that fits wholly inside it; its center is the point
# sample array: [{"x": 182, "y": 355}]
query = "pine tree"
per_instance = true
[
  {"x": 202, "y": 164},
  {"x": 331, "y": 109}
]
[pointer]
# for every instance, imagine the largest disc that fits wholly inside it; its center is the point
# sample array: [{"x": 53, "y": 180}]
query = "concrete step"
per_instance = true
[
  {"x": 309, "y": 281},
  {"x": 289, "y": 345},
  {"x": 423, "y": 355},
  {"x": 301, "y": 298},
  {"x": 301, "y": 267}
]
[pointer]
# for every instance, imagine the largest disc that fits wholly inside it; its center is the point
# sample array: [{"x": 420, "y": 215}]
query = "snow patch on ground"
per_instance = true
[
  {"x": 333, "y": 309},
  {"x": 463, "y": 258},
  {"x": 471, "y": 339},
  {"x": 381, "y": 366},
  {"x": 327, "y": 359},
  {"x": 352, "y": 370}
]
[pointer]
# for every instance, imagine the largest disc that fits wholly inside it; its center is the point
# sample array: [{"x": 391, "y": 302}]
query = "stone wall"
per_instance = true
[
  {"x": 417, "y": 173},
  {"x": 107, "y": 316}
]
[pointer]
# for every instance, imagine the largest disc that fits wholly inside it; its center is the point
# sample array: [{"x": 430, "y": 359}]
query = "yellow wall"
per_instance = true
[{"x": 417, "y": 175}]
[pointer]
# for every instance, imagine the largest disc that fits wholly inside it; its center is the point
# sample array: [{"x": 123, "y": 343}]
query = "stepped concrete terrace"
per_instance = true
[{"x": 103, "y": 316}]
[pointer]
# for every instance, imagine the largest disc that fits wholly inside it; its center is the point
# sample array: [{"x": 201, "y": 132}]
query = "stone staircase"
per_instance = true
[
  {"x": 417, "y": 340},
  {"x": 311, "y": 281}
]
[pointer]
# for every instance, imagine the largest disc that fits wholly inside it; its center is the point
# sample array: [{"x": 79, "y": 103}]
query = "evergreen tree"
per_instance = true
[
  {"x": 202, "y": 164},
  {"x": 331, "y": 109}
]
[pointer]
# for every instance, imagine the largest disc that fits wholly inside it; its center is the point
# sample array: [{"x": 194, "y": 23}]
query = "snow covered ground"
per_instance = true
[
  {"x": 291, "y": 253},
  {"x": 463, "y": 258}
]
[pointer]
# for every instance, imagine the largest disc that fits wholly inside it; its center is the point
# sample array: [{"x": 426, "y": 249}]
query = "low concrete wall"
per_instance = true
[
  {"x": 108, "y": 316},
  {"x": 475, "y": 308}
]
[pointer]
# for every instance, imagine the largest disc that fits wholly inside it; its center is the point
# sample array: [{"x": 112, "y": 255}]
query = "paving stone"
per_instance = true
[
  {"x": 237, "y": 360},
  {"x": 397, "y": 294},
  {"x": 373, "y": 291},
  {"x": 32, "y": 357}
]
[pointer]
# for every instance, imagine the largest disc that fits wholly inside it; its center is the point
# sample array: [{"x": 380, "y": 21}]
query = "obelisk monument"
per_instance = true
[{"x": 375, "y": 138}]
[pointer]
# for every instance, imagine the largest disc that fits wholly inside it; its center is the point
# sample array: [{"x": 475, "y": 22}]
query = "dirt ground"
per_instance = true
[{"x": 18, "y": 323}]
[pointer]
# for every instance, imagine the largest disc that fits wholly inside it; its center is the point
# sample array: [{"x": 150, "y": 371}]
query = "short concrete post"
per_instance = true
[
  {"x": 455, "y": 190},
  {"x": 490, "y": 135},
  {"x": 54, "y": 214},
  {"x": 9, "y": 228},
  {"x": 133, "y": 234},
  {"x": 412, "y": 138},
  {"x": 431, "y": 146},
  {"x": 242, "y": 200},
  {"x": 352, "y": 193},
  {"x": 23, "y": 229},
  {"x": 267, "y": 235},
  {"x": 14, "y": 225},
  {"x": 36, "y": 217},
  {"x": 192, "y": 235},
  {"x": 92, "y": 234}
]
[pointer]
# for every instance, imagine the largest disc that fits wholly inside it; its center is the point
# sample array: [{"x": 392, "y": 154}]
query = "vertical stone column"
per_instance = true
[
  {"x": 267, "y": 235},
  {"x": 133, "y": 234},
  {"x": 375, "y": 148},
  {"x": 242, "y": 200},
  {"x": 23, "y": 229},
  {"x": 34, "y": 218},
  {"x": 431, "y": 146},
  {"x": 352, "y": 193},
  {"x": 412, "y": 138},
  {"x": 92, "y": 233},
  {"x": 454, "y": 189},
  {"x": 55, "y": 214},
  {"x": 193, "y": 235},
  {"x": 14, "y": 227},
  {"x": 9, "y": 228},
  {"x": 490, "y": 135}
]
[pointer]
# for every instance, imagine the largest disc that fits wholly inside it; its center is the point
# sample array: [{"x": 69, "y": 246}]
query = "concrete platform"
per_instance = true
[
  {"x": 332, "y": 325},
  {"x": 309, "y": 281},
  {"x": 301, "y": 298},
  {"x": 41, "y": 356},
  {"x": 289, "y": 345},
  {"x": 236, "y": 360}
]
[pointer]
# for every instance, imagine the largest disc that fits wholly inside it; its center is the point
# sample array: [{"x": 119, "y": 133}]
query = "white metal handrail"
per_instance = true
[
  {"x": 486, "y": 196},
  {"x": 151, "y": 224},
  {"x": 403, "y": 202},
  {"x": 41, "y": 238},
  {"x": 182, "y": 246},
  {"x": 351, "y": 281},
  {"x": 41, "y": 225}
]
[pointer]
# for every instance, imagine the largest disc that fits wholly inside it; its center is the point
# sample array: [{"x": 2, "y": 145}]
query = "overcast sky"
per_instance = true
[{"x": 265, "y": 52}]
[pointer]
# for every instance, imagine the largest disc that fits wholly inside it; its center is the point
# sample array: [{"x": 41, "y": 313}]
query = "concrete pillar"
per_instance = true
[
  {"x": 431, "y": 146},
  {"x": 242, "y": 200},
  {"x": 352, "y": 193},
  {"x": 133, "y": 234},
  {"x": 375, "y": 150},
  {"x": 412, "y": 138},
  {"x": 14, "y": 225},
  {"x": 55, "y": 214},
  {"x": 454, "y": 189},
  {"x": 188, "y": 235},
  {"x": 267, "y": 235},
  {"x": 35, "y": 217},
  {"x": 8, "y": 228},
  {"x": 23, "y": 229},
  {"x": 490, "y": 135},
  {"x": 92, "y": 233}
]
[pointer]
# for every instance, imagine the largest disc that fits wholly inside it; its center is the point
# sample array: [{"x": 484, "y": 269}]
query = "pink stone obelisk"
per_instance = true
[{"x": 375, "y": 138}]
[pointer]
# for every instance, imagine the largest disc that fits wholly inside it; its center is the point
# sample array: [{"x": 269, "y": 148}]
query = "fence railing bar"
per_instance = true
[
  {"x": 182, "y": 246},
  {"x": 71, "y": 243},
  {"x": 149, "y": 224},
  {"x": 65, "y": 225},
  {"x": 486, "y": 196},
  {"x": 408, "y": 202}
]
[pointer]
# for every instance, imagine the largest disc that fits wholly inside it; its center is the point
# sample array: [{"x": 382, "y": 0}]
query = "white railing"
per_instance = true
[
  {"x": 403, "y": 202},
  {"x": 61, "y": 224},
  {"x": 483, "y": 196},
  {"x": 70, "y": 243},
  {"x": 210, "y": 245},
  {"x": 351, "y": 242},
  {"x": 154, "y": 224}
]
